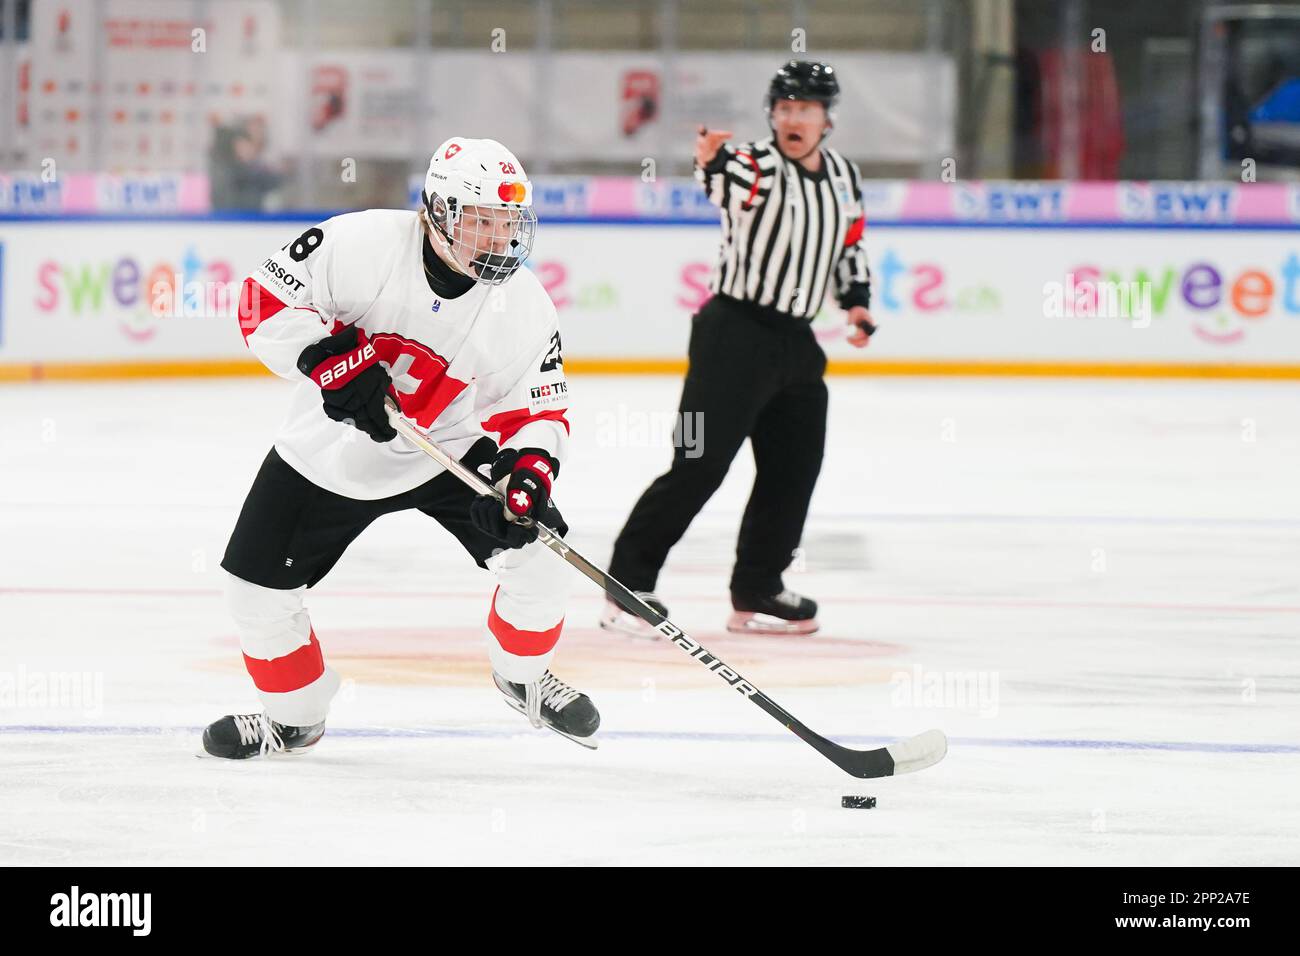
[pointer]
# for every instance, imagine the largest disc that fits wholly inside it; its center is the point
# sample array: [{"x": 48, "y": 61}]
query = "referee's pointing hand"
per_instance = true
[{"x": 707, "y": 143}]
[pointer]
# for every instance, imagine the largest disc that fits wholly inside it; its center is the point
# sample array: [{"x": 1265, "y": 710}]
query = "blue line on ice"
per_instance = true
[{"x": 1182, "y": 746}]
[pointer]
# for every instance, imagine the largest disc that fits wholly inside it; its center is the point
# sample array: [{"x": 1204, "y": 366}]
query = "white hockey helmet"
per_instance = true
[{"x": 478, "y": 208}]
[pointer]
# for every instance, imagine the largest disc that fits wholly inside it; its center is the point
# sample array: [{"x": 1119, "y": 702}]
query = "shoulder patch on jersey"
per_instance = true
[
  {"x": 548, "y": 395},
  {"x": 278, "y": 279}
]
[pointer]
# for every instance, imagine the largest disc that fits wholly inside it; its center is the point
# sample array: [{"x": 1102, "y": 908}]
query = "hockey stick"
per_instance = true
[{"x": 906, "y": 756}]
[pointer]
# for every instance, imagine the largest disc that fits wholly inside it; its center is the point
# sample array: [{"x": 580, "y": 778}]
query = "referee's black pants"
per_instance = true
[{"x": 752, "y": 375}]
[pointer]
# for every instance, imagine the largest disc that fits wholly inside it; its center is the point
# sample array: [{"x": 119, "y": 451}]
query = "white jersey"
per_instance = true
[{"x": 484, "y": 363}]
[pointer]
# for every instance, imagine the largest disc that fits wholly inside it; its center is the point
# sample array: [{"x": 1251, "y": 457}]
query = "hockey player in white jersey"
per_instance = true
[{"x": 433, "y": 309}]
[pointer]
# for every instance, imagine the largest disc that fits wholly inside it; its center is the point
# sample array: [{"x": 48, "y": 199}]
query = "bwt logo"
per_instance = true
[
  {"x": 1177, "y": 202},
  {"x": 548, "y": 391},
  {"x": 102, "y": 909},
  {"x": 668, "y": 198},
  {"x": 343, "y": 366},
  {"x": 563, "y": 198},
  {"x": 1011, "y": 202},
  {"x": 139, "y": 193},
  {"x": 29, "y": 193},
  {"x": 881, "y": 200}
]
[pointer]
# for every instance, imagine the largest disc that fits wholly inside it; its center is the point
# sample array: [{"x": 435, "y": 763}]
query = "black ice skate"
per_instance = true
[
  {"x": 614, "y": 618},
  {"x": 239, "y": 736},
  {"x": 550, "y": 702},
  {"x": 784, "y": 613}
]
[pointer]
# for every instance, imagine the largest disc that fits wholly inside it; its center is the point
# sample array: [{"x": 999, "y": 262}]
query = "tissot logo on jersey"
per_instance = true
[
  {"x": 286, "y": 279},
  {"x": 551, "y": 393},
  {"x": 545, "y": 391}
]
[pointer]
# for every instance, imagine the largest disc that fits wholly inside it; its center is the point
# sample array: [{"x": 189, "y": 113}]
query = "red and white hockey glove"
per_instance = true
[
  {"x": 353, "y": 383},
  {"x": 524, "y": 476}
]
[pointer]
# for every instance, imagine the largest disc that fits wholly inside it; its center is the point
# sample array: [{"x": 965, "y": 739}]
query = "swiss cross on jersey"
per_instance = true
[{"x": 419, "y": 374}]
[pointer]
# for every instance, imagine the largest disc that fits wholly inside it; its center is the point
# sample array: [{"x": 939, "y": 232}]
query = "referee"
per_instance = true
[{"x": 792, "y": 225}]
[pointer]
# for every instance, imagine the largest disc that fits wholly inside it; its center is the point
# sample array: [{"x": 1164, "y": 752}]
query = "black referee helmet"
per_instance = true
[{"x": 805, "y": 80}]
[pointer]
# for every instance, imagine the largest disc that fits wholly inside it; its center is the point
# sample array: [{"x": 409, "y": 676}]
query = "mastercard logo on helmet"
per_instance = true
[{"x": 512, "y": 192}]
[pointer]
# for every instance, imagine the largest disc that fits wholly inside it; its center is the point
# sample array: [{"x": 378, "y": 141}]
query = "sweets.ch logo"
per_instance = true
[
  {"x": 138, "y": 296},
  {"x": 1222, "y": 302}
]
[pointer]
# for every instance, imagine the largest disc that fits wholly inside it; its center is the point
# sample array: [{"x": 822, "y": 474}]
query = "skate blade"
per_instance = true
[
  {"x": 274, "y": 755},
  {"x": 748, "y": 622},
  {"x": 589, "y": 742},
  {"x": 295, "y": 752},
  {"x": 630, "y": 628}
]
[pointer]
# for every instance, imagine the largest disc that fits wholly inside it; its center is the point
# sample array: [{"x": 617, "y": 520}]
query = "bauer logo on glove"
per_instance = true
[
  {"x": 340, "y": 372},
  {"x": 353, "y": 382},
  {"x": 523, "y": 476}
]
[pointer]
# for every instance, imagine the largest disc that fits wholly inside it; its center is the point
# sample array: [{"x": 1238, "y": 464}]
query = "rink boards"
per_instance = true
[{"x": 96, "y": 298}]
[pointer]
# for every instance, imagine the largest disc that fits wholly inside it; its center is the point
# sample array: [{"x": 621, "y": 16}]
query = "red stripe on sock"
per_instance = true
[
  {"x": 515, "y": 641},
  {"x": 291, "y": 672}
]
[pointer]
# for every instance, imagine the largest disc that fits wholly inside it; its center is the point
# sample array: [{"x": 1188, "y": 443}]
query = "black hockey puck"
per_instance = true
[{"x": 857, "y": 803}]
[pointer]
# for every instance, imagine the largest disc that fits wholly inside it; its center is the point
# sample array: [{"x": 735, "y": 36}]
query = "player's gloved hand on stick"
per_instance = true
[
  {"x": 524, "y": 476},
  {"x": 353, "y": 383}
]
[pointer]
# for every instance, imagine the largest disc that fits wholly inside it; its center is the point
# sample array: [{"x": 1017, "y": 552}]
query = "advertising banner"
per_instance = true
[{"x": 89, "y": 292}]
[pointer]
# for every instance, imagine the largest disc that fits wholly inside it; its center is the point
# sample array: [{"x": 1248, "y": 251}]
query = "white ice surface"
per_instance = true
[{"x": 1121, "y": 558}]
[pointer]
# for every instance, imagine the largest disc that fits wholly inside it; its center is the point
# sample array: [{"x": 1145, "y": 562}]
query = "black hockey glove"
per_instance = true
[
  {"x": 524, "y": 476},
  {"x": 353, "y": 383}
]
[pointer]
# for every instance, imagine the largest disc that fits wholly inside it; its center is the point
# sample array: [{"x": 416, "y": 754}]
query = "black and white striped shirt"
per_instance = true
[{"x": 789, "y": 237}]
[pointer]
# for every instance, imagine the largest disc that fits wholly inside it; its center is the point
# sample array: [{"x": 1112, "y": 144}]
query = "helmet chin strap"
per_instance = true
[{"x": 442, "y": 244}]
